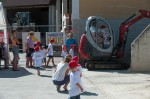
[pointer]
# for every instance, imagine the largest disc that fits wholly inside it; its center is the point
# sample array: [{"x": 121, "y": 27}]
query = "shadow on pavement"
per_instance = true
[
  {"x": 86, "y": 93},
  {"x": 63, "y": 92},
  {"x": 41, "y": 68},
  {"x": 46, "y": 76},
  {"x": 50, "y": 67},
  {"x": 89, "y": 93},
  {"x": 14, "y": 74},
  {"x": 48, "y": 70},
  {"x": 120, "y": 71}
]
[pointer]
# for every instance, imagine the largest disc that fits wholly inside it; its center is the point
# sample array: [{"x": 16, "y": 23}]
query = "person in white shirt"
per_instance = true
[
  {"x": 79, "y": 67},
  {"x": 75, "y": 81},
  {"x": 64, "y": 52},
  {"x": 106, "y": 36},
  {"x": 43, "y": 51},
  {"x": 72, "y": 50},
  {"x": 61, "y": 76},
  {"x": 37, "y": 57},
  {"x": 93, "y": 30},
  {"x": 50, "y": 52}
]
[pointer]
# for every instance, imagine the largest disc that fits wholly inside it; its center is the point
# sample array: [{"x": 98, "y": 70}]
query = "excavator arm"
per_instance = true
[{"x": 119, "y": 49}]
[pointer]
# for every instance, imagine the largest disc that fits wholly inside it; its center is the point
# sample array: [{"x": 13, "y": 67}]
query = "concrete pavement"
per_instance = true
[
  {"x": 121, "y": 84},
  {"x": 109, "y": 84},
  {"x": 25, "y": 84}
]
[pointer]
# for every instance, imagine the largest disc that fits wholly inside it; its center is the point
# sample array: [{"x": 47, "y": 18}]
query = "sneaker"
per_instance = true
[{"x": 58, "y": 88}]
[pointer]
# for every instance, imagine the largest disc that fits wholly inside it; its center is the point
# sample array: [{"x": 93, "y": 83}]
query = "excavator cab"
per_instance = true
[
  {"x": 97, "y": 45},
  {"x": 100, "y": 38}
]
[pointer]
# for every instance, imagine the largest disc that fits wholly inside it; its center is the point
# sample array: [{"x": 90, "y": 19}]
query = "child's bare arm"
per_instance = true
[
  {"x": 47, "y": 50},
  {"x": 67, "y": 71},
  {"x": 17, "y": 41},
  {"x": 79, "y": 87},
  {"x": 80, "y": 74}
]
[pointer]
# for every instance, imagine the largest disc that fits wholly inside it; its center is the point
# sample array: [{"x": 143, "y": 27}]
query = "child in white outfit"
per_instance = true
[
  {"x": 64, "y": 52},
  {"x": 72, "y": 50},
  {"x": 50, "y": 52},
  {"x": 43, "y": 51},
  {"x": 37, "y": 57},
  {"x": 75, "y": 81}
]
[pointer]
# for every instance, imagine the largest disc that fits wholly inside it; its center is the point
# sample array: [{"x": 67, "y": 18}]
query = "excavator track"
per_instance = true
[{"x": 109, "y": 65}]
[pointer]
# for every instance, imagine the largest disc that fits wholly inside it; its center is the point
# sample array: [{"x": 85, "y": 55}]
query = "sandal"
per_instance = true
[
  {"x": 27, "y": 67},
  {"x": 65, "y": 89},
  {"x": 54, "y": 65},
  {"x": 30, "y": 66}
]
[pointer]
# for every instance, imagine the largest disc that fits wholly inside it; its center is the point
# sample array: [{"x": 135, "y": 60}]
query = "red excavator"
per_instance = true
[{"x": 97, "y": 45}]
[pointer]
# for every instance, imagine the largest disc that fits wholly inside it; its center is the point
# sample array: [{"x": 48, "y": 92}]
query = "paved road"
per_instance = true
[{"x": 25, "y": 84}]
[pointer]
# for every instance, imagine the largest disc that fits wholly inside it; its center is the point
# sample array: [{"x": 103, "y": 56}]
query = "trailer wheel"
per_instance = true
[{"x": 89, "y": 66}]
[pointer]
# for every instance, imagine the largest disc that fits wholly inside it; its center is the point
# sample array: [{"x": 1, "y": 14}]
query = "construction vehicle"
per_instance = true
[{"x": 98, "y": 47}]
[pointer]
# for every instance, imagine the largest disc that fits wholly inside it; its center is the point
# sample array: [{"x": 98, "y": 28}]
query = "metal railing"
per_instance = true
[{"x": 42, "y": 30}]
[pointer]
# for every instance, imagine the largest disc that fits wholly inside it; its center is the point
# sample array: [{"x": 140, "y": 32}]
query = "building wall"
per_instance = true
[
  {"x": 75, "y": 9},
  {"x": 111, "y": 8},
  {"x": 140, "y": 52}
]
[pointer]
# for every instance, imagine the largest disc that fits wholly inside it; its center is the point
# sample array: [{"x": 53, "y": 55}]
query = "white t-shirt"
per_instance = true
[
  {"x": 63, "y": 54},
  {"x": 71, "y": 52},
  {"x": 43, "y": 53},
  {"x": 93, "y": 32},
  {"x": 59, "y": 75},
  {"x": 93, "y": 29},
  {"x": 37, "y": 57},
  {"x": 79, "y": 69},
  {"x": 74, "y": 79},
  {"x": 105, "y": 33},
  {"x": 50, "y": 52}
]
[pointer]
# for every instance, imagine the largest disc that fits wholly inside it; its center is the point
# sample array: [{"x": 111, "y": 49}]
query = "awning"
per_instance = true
[{"x": 22, "y": 3}]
